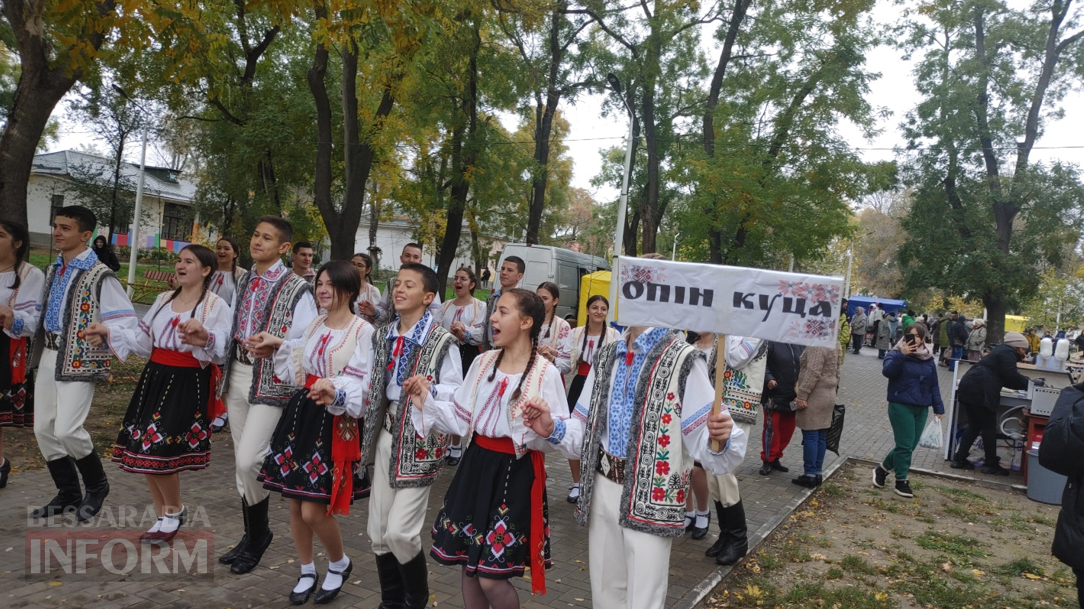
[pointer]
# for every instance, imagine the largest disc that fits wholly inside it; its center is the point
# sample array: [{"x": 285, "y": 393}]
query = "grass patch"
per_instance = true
[
  {"x": 834, "y": 573},
  {"x": 961, "y": 493},
  {"x": 857, "y": 564},
  {"x": 1019, "y": 567},
  {"x": 955, "y": 545},
  {"x": 768, "y": 561},
  {"x": 851, "y": 597},
  {"x": 958, "y": 511},
  {"x": 831, "y": 489}
]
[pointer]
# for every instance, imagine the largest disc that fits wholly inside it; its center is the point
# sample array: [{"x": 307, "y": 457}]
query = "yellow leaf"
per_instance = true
[{"x": 1032, "y": 576}]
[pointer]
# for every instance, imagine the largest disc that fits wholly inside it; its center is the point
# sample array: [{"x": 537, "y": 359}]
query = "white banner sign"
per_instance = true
[{"x": 773, "y": 305}]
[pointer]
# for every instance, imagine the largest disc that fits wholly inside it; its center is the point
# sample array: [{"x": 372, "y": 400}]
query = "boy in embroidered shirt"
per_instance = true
[
  {"x": 268, "y": 299},
  {"x": 385, "y": 310},
  {"x": 79, "y": 290},
  {"x": 413, "y": 346},
  {"x": 510, "y": 275},
  {"x": 633, "y": 509}
]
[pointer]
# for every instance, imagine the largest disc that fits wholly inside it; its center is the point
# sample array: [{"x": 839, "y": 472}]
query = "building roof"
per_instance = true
[{"x": 161, "y": 182}]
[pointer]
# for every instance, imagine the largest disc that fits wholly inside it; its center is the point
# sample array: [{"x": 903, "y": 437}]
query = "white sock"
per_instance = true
[
  {"x": 305, "y": 583},
  {"x": 157, "y": 526},
  {"x": 219, "y": 421},
  {"x": 332, "y": 580},
  {"x": 169, "y": 524},
  {"x": 702, "y": 519},
  {"x": 690, "y": 516}
]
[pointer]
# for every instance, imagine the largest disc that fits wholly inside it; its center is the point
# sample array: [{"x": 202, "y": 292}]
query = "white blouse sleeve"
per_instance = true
[
  {"x": 448, "y": 416},
  {"x": 696, "y": 405},
  {"x": 352, "y": 384},
  {"x": 27, "y": 309},
  {"x": 218, "y": 324},
  {"x": 563, "y": 346},
  {"x": 567, "y": 435},
  {"x": 477, "y": 326},
  {"x": 124, "y": 341},
  {"x": 289, "y": 356},
  {"x": 119, "y": 316}
]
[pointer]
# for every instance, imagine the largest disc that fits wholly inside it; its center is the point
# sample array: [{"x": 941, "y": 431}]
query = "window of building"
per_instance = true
[
  {"x": 56, "y": 203},
  {"x": 175, "y": 224}
]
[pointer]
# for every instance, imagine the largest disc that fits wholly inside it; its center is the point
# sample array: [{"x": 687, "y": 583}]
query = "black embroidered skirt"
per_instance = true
[
  {"x": 299, "y": 465},
  {"x": 16, "y": 400},
  {"x": 166, "y": 428},
  {"x": 486, "y": 516}
]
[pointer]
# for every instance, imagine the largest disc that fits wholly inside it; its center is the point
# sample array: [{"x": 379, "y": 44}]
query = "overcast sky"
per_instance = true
[{"x": 592, "y": 133}]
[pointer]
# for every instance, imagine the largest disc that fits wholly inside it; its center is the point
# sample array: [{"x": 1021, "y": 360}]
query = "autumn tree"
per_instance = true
[{"x": 985, "y": 216}]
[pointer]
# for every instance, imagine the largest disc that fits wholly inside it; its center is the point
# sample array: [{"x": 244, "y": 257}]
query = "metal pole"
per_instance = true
[
  {"x": 847, "y": 282},
  {"x": 133, "y": 244},
  {"x": 619, "y": 233},
  {"x": 673, "y": 252}
]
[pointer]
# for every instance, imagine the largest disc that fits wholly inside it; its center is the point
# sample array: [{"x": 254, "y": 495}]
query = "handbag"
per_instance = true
[
  {"x": 933, "y": 436},
  {"x": 836, "y": 429}
]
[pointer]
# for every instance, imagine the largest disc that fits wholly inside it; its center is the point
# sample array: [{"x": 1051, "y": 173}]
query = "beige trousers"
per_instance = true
[
  {"x": 60, "y": 409},
  {"x": 396, "y": 515},
  {"x": 724, "y": 487},
  {"x": 251, "y": 426},
  {"x": 629, "y": 569}
]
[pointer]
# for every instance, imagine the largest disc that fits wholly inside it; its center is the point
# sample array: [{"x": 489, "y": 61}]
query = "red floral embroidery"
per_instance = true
[
  {"x": 670, "y": 396},
  {"x": 420, "y": 454},
  {"x": 681, "y": 496},
  {"x": 662, "y": 468},
  {"x": 664, "y": 441},
  {"x": 666, "y": 419},
  {"x": 658, "y": 494}
]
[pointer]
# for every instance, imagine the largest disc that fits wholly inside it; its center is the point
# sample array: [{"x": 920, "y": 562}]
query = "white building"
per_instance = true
[
  {"x": 392, "y": 235},
  {"x": 167, "y": 197}
]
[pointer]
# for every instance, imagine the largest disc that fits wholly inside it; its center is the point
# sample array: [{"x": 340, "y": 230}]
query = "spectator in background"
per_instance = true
[
  {"x": 893, "y": 324},
  {"x": 780, "y": 377},
  {"x": 883, "y": 339},
  {"x": 858, "y": 328},
  {"x": 934, "y": 331},
  {"x": 815, "y": 398},
  {"x": 1033, "y": 343},
  {"x": 907, "y": 320},
  {"x": 302, "y": 258},
  {"x": 912, "y": 389},
  {"x": 976, "y": 341},
  {"x": 844, "y": 332},
  {"x": 486, "y": 275},
  {"x": 104, "y": 252},
  {"x": 958, "y": 338},
  {"x": 979, "y": 394},
  {"x": 1079, "y": 340},
  {"x": 944, "y": 338},
  {"x": 1062, "y": 451},
  {"x": 876, "y": 316}
]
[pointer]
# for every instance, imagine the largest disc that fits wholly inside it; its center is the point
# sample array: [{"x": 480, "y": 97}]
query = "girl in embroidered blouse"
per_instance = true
[
  {"x": 369, "y": 297},
  {"x": 224, "y": 283},
  {"x": 555, "y": 341},
  {"x": 166, "y": 429},
  {"x": 314, "y": 452},
  {"x": 586, "y": 341},
  {"x": 494, "y": 519},
  {"x": 21, "y": 288}
]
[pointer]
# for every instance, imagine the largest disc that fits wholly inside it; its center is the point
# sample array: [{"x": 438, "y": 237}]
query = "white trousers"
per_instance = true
[
  {"x": 60, "y": 409},
  {"x": 251, "y": 426},
  {"x": 629, "y": 569},
  {"x": 724, "y": 487},
  {"x": 396, "y": 515}
]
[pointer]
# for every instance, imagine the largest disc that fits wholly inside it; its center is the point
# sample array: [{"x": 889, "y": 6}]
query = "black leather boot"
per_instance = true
[
  {"x": 416, "y": 578},
  {"x": 259, "y": 538},
  {"x": 97, "y": 486},
  {"x": 720, "y": 543},
  {"x": 229, "y": 557},
  {"x": 737, "y": 535},
  {"x": 392, "y": 588},
  {"x": 66, "y": 478},
  {"x": 5, "y": 473}
]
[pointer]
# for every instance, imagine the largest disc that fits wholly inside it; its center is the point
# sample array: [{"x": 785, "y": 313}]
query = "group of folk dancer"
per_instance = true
[{"x": 322, "y": 377}]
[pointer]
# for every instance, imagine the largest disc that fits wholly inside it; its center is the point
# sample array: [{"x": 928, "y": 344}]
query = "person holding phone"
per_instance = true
[{"x": 912, "y": 390}]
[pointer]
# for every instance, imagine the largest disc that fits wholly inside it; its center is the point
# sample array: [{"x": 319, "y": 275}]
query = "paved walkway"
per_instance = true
[{"x": 866, "y": 435}]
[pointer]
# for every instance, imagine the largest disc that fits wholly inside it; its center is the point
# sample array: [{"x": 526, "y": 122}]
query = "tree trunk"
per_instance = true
[
  {"x": 544, "y": 113},
  {"x": 996, "y": 307},
  {"x": 468, "y": 151},
  {"x": 39, "y": 89},
  {"x": 650, "y": 207}
]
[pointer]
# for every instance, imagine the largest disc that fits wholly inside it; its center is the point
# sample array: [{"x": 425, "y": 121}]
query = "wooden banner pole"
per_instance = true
[{"x": 720, "y": 369}]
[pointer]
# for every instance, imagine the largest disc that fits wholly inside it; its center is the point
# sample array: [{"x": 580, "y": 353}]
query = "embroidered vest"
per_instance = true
[
  {"x": 532, "y": 386},
  {"x": 657, "y": 467},
  {"x": 278, "y": 317},
  {"x": 742, "y": 389},
  {"x": 76, "y": 359},
  {"x": 415, "y": 461}
]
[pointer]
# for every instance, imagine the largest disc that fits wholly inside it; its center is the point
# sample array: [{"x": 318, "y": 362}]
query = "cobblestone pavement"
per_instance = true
[{"x": 866, "y": 435}]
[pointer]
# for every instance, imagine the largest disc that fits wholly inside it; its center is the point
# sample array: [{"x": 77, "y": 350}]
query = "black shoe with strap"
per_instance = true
[
  {"x": 259, "y": 538},
  {"x": 69, "y": 495},
  {"x": 323, "y": 595},
  {"x": 300, "y": 598},
  {"x": 96, "y": 483},
  {"x": 700, "y": 532},
  {"x": 392, "y": 588},
  {"x": 5, "y": 472},
  {"x": 229, "y": 557}
]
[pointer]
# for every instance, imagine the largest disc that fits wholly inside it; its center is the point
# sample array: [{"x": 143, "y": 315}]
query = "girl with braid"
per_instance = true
[
  {"x": 494, "y": 521},
  {"x": 166, "y": 429},
  {"x": 555, "y": 338}
]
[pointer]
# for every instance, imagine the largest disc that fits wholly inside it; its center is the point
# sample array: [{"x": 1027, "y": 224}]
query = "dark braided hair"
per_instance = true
[
  {"x": 207, "y": 259},
  {"x": 236, "y": 251},
  {"x": 590, "y": 301},
  {"x": 20, "y": 234},
  {"x": 529, "y": 305}
]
